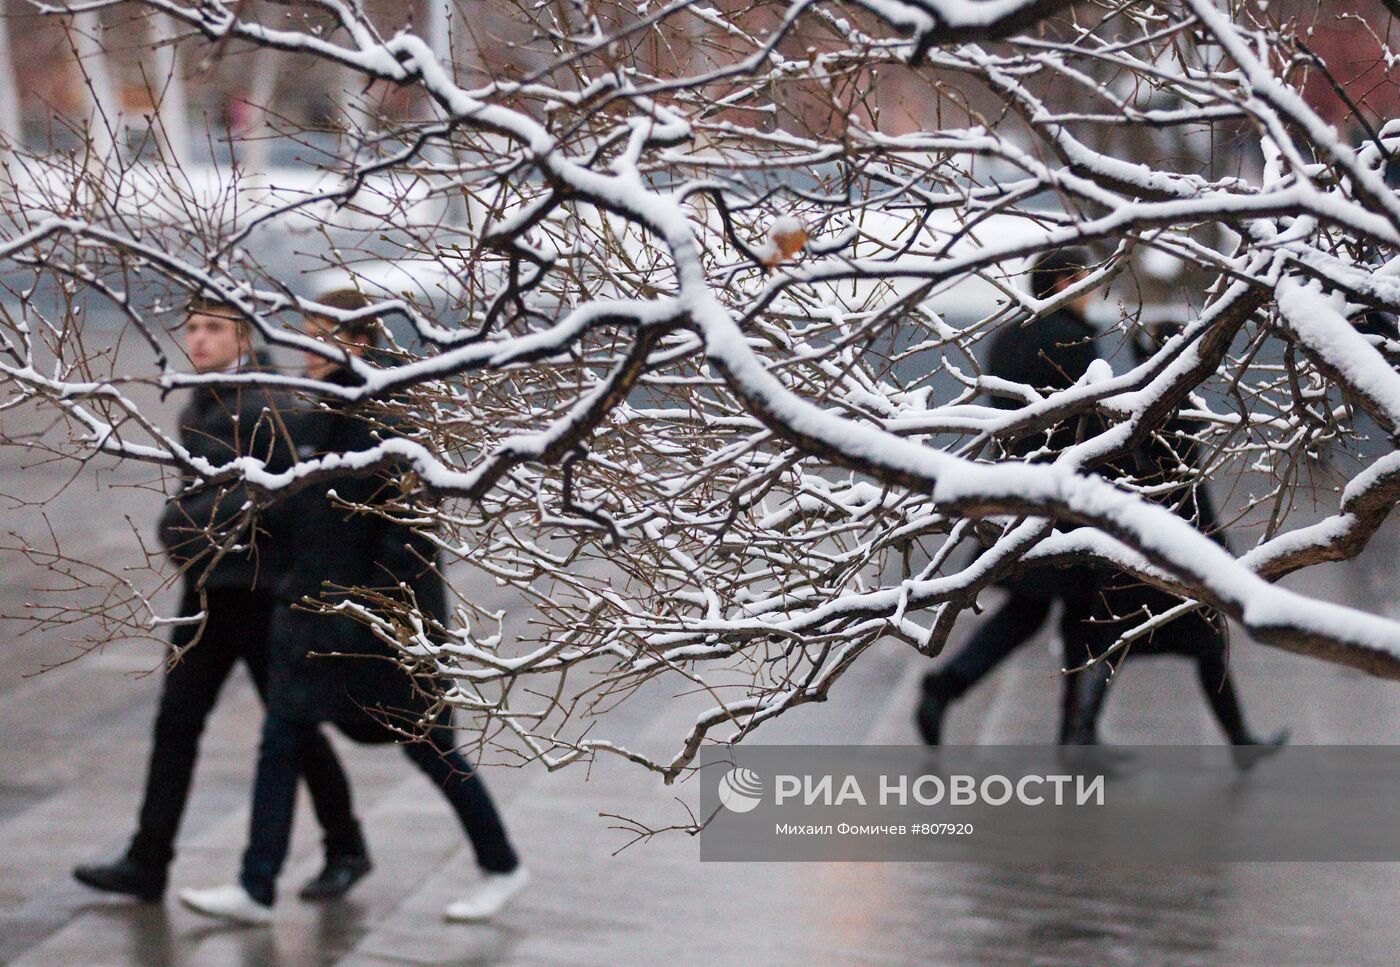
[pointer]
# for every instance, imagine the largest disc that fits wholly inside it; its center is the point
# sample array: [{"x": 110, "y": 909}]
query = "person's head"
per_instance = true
[
  {"x": 216, "y": 337},
  {"x": 1058, "y": 270},
  {"x": 357, "y": 336}
]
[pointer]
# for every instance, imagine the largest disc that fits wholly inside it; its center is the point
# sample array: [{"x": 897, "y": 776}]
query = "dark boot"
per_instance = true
[
  {"x": 933, "y": 703},
  {"x": 125, "y": 876},
  {"x": 1248, "y": 751},
  {"x": 1084, "y": 695},
  {"x": 338, "y": 876}
]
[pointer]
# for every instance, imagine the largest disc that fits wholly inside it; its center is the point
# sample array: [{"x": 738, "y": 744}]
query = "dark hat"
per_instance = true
[{"x": 1057, "y": 267}]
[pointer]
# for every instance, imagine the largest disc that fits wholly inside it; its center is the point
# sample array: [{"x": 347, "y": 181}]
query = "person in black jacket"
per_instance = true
[
  {"x": 1123, "y": 601},
  {"x": 328, "y": 668},
  {"x": 229, "y": 571},
  {"x": 1050, "y": 354}
]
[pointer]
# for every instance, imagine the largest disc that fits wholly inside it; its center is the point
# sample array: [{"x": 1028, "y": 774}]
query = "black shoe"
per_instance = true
[
  {"x": 932, "y": 705},
  {"x": 124, "y": 876},
  {"x": 1251, "y": 751},
  {"x": 339, "y": 875}
]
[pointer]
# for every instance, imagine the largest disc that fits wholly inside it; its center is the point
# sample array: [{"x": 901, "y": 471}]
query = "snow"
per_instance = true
[{"x": 1319, "y": 323}]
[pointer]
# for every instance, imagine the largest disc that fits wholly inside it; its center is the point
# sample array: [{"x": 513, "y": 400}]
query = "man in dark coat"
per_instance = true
[
  {"x": 328, "y": 668},
  {"x": 1050, "y": 354},
  {"x": 228, "y": 575}
]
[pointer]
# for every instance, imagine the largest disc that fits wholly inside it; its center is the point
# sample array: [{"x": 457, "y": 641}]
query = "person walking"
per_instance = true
[
  {"x": 229, "y": 585},
  {"x": 328, "y": 668},
  {"x": 1050, "y": 354},
  {"x": 1123, "y": 601}
]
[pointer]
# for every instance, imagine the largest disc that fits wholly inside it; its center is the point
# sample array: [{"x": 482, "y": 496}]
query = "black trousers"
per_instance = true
[
  {"x": 236, "y": 628},
  {"x": 1010, "y": 627},
  {"x": 284, "y": 741},
  {"x": 1200, "y": 636}
]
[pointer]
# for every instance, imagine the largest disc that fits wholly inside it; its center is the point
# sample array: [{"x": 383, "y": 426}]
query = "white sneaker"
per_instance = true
[
  {"x": 489, "y": 897},
  {"x": 230, "y": 903}
]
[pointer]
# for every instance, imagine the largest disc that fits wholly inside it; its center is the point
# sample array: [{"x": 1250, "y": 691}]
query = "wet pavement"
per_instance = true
[{"x": 72, "y": 762}]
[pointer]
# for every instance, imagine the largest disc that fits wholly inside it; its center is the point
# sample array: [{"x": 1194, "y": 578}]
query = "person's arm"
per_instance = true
[
  {"x": 192, "y": 523},
  {"x": 405, "y": 554},
  {"x": 200, "y": 518},
  {"x": 1199, "y": 505},
  {"x": 1207, "y": 519}
]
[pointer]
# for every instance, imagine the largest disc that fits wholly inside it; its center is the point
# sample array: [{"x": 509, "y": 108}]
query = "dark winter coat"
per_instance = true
[
  {"x": 328, "y": 668},
  {"x": 1049, "y": 354},
  {"x": 1124, "y": 601},
  {"x": 221, "y": 424}
]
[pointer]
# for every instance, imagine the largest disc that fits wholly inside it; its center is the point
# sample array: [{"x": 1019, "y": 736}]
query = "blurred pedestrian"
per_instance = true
[
  {"x": 332, "y": 669},
  {"x": 1170, "y": 464},
  {"x": 229, "y": 571},
  {"x": 1050, "y": 354}
]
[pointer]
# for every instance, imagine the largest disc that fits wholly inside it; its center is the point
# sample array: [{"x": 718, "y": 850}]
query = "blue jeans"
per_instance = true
[{"x": 274, "y": 801}]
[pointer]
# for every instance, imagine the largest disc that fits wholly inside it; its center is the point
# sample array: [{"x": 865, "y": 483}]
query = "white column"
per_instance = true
[
  {"x": 11, "y": 118},
  {"x": 172, "y": 108},
  {"x": 252, "y": 152},
  {"x": 439, "y": 38},
  {"x": 440, "y": 30},
  {"x": 104, "y": 103}
]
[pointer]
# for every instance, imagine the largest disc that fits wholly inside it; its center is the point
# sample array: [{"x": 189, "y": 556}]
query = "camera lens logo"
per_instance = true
[{"x": 740, "y": 790}]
